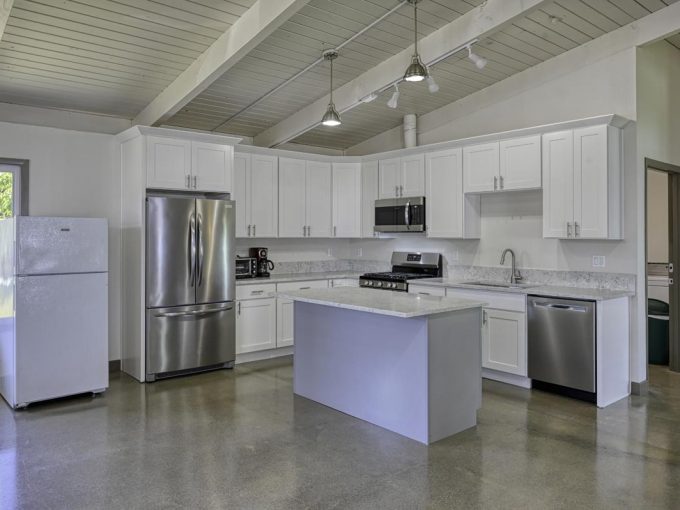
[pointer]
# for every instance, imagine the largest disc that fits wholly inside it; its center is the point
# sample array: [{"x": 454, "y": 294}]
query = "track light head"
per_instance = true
[
  {"x": 480, "y": 62},
  {"x": 394, "y": 100},
  {"x": 432, "y": 85}
]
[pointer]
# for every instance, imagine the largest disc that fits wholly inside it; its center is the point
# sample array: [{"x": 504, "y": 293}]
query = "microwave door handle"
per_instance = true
[
  {"x": 192, "y": 249},
  {"x": 407, "y": 215}
]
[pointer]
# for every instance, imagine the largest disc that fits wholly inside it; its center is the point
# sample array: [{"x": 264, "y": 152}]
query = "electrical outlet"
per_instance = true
[{"x": 599, "y": 261}]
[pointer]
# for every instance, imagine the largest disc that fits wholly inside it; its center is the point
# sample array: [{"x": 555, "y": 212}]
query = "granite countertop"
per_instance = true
[
  {"x": 396, "y": 304},
  {"x": 539, "y": 290},
  {"x": 299, "y": 277}
]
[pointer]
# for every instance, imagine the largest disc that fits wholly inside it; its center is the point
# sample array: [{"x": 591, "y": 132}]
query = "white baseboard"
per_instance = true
[
  {"x": 515, "y": 380},
  {"x": 261, "y": 355}
]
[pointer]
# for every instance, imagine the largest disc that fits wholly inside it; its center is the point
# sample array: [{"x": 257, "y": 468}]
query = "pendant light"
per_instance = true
[
  {"x": 331, "y": 117},
  {"x": 416, "y": 71}
]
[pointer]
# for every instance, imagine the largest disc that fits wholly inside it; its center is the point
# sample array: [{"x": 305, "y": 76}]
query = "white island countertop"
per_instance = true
[{"x": 395, "y": 304}]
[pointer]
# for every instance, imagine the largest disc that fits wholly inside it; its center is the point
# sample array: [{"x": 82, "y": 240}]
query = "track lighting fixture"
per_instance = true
[
  {"x": 416, "y": 71},
  {"x": 369, "y": 98},
  {"x": 480, "y": 62},
  {"x": 331, "y": 117},
  {"x": 394, "y": 100},
  {"x": 432, "y": 85}
]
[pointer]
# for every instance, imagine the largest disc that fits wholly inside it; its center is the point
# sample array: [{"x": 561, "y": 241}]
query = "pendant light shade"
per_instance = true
[
  {"x": 416, "y": 71},
  {"x": 331, "y": 117}
]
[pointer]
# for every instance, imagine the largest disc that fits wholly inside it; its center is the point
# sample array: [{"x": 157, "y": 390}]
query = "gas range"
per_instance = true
[{"x": 405, "y": 266}]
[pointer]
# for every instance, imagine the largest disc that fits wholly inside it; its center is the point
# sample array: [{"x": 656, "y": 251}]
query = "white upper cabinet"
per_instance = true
[
  {"x": 304, "y": 198},
  {"x": 481, "y": 166},
  {"x": 513, "y": 164},
  {"x": 369, "y": 194},
  {"x": 346, "y": 199},
  {"x": 168, "y": 164},
  {"x": 256, "y": 195},
  {"x": 582, "y": 190},
  {"x": 412, "y": 176},
  {"x": 520, "y": 163},
  {"x": 211, "y": 166},
  {"x": 449, "y": 213},
  {"x": 186, "y": 165},
  {"x": 319, "y": 199},
  {"x": 402, "y": 177}
]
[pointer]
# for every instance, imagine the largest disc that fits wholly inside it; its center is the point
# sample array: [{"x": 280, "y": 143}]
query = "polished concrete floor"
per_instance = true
[{"x": 240, "y": 439}]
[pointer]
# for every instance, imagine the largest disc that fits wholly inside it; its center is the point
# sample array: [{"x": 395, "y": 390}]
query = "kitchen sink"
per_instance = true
[{"x": 504, "y": 285}]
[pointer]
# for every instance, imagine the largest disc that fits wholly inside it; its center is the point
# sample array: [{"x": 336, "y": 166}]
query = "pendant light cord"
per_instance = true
[
  {"x": 331, "y": 60},
  {"x": 415, "y": 23}
]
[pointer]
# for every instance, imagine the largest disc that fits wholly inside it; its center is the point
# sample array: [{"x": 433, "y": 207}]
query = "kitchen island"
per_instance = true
[{"x": 410, "y": 364}]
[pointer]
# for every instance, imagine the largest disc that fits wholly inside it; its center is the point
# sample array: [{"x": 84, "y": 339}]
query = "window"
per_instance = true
[{"x": 11, "y": 197}]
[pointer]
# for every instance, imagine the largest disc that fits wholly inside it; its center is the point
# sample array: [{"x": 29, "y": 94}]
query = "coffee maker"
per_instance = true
[{"x": 263, "y": 264}]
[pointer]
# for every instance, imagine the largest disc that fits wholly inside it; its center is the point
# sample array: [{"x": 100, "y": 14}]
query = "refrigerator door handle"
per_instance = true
[
  {"x": 195, "y": 313},
  {"x": 199, "y": 227},
  {"x": 192, "y": 249}
]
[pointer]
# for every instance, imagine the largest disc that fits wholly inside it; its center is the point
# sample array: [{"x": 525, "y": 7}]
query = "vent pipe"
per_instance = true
[{"x": 410, "y": 130}]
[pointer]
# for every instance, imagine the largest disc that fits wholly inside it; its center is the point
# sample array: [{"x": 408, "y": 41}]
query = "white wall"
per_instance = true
[
  {"x": 657, "y": 216},
  {"x": 73, "y": 173}
]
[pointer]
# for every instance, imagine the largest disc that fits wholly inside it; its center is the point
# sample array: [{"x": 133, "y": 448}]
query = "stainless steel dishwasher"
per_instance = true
[{"x": 562, "y": 346}]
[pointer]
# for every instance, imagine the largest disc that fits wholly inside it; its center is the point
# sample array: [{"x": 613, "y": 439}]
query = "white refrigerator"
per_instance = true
[{"x": 53, "y": 308}]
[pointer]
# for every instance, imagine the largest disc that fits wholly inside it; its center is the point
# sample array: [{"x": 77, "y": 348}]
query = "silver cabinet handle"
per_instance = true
[
  {"x": 199, "y": 235},
  {"x": 500, "y": 182},
  {"x": 401, "y": 191},
  {"x": 335, "y": 231},
  {"x": 239, "y": 308},
  {"x": 396, "y": 191},
  {"x": 495, "y": 183},
  {"x": 249, "y": 230},
  {"x": 425, "y": 293},
  {"x": 304, "y": 231},
  {"x": 568, "y": 229},
  {"x": 576, "y": 229},
  {"x": 309, "y": 231},
  {"x": 484, "y": 317},
  {"x": 256, "y": 292},
  {"x": 254, "y": 234},
  {"x": 304, "y": 288},
  {"x": 195, "y": 181},
  {"x": 188, "y": 179}
]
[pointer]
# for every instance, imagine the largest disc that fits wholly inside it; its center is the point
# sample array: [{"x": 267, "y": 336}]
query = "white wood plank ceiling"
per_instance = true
[{"x": 105, "y": 56}]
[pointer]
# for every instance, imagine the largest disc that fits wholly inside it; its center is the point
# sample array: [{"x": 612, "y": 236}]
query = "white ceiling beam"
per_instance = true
[
  {"x": 5, "y": 8},
  {"x": 256, "y": 24},
  {"x": 489, "y": 17}
]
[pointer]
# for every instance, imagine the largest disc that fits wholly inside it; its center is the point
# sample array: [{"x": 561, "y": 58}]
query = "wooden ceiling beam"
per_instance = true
[
  {"x": 256, "y": 24},
  {"x": 487, "y": 18}
]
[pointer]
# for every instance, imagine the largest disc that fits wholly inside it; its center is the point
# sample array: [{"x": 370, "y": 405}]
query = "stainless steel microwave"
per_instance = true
[{"x": 405, "y": 214}]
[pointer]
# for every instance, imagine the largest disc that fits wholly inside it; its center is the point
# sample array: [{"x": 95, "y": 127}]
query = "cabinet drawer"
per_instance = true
[
  {"x": 497, "y": 300},
  {"x": 309, "y": 284},
  {"x": 256, "y": 291},
  {"x": 426, "y": 290}
]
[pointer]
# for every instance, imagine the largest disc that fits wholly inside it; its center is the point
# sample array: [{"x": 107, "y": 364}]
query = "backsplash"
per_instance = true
[{"x": 323, "y": 266}]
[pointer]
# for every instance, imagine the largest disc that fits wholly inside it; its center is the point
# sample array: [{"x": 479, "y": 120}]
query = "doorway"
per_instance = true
[{"x": 662, "y": 258}]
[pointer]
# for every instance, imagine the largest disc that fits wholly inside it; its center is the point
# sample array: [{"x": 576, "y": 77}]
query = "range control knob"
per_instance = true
[{"x": 378, "y": 284}]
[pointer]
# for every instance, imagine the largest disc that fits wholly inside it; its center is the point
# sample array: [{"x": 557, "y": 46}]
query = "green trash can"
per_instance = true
[{"x": 657, "y": 331}]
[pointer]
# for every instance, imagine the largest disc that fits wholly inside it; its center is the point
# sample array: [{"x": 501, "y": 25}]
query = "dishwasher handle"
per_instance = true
[{"x": 559, "y": 306}]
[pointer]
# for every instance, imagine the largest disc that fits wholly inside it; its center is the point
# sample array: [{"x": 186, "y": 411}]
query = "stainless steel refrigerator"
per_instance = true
[{"x": 190, "y": 317}]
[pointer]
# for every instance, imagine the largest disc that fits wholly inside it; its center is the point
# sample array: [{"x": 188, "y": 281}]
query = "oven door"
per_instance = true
[{"x": 406, "y": 214}]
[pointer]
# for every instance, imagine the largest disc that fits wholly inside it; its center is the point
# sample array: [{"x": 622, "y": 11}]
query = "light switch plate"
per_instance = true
[{"x": 599, "y": 261}]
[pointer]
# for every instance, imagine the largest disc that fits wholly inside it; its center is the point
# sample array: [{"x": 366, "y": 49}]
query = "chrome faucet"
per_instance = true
[{"x": 515, "y": 275}]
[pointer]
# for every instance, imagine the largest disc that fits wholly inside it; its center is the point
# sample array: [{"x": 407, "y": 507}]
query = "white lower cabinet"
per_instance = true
[
  {"x": 504, "y": 341},
  {"x": 255, "y": 317},
  {"x": 285, "y": 327}
]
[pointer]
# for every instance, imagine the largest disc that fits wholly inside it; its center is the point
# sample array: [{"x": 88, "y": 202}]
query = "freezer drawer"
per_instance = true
[
  {"x": 61, "y": 335},
  {"x": 61, "y": 245},
  {"x": 189, "y": 338},
  {"x": 561, "y": 342}
]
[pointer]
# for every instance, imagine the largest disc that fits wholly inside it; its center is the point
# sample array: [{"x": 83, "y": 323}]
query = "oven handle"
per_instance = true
[{"x": 559, "y": 306}]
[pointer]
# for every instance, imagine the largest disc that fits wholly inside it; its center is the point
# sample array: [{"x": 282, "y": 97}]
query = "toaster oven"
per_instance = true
[{"x": 246, "y": 267}]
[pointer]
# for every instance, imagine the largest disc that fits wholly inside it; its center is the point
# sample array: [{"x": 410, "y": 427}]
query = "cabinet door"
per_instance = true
[
  {"x": 168, "y": 163},
  {"x": 263, "y": 195},
  {"x": 211, "y": 167},
  {"x": 389, "y": 177},
  {"x": 504, "y": 341},
  {"x": 444, "y": 199},
  {"x": 590, "y": 183},
  {"x": 481, "y": 167},
  {"x": 292, "y": 197},
  {"x": 558, "y": 184},
  {"x": 369, "y": 194},
  {"x": 412, "y": 176},
  {"x": 319, "y": 199},
  {"x": 285, "y": 322},
  {"x": 346, "y": 199},
  {"x": 240, "y": 193},
  {"x": 255, "y": 325},
  {"x": 520, "y": 163}
]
